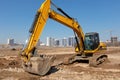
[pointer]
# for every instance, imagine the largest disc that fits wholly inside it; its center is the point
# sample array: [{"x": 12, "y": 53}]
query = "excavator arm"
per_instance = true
[{"x": 71, "y": 23}]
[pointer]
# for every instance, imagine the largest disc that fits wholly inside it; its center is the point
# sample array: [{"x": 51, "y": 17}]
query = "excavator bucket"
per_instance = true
[{"x": 39, "y": 65}]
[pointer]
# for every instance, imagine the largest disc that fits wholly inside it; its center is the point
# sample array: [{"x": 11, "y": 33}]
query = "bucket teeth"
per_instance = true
[{"x": 39, "y": 65}]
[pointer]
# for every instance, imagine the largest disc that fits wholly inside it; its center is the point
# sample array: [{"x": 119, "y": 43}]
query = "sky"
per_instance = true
[{"x": 102, "y": 16}]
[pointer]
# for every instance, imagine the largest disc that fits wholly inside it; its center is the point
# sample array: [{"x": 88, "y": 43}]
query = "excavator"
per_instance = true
[{"x": 88, "y": 46}]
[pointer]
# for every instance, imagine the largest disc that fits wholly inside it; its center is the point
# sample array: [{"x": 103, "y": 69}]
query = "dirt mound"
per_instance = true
[{"x": 6, "y": 62}]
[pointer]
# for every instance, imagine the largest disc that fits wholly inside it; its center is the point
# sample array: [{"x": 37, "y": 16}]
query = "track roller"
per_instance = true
[{"x": 97, "y": 59}]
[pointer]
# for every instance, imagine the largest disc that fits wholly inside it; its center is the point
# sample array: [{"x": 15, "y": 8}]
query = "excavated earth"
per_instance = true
[{"x": 10, "y": 66}]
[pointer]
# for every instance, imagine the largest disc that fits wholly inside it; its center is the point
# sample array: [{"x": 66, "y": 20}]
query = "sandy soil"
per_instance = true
[{"x": 10, "y": 66}]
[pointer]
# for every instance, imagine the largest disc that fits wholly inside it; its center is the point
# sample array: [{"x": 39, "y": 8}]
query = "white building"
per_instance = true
[
  {"x": 10, "y": 42},
  {"x": 50, "y": 41}
]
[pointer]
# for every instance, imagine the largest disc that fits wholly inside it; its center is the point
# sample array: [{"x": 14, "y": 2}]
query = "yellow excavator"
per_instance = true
[{"x": 88, "y": 46}]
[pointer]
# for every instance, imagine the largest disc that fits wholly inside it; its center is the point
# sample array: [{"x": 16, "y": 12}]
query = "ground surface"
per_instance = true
[{"x": 10, "y": 66}]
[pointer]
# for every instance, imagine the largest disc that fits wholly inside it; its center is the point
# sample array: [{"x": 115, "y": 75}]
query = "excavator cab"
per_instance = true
[{"x": 91, "y": 41}]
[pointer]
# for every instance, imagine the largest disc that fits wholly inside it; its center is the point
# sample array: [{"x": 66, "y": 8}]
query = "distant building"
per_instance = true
[
  {"x": 50, "y": 41},
  {"x": 64, "y": 42},
  {"x": 57, "y": 42},
  {"x": 114, "y": 39},
  {"x": 10, "y": 42},
  {"x": 71, "y": 41},
  {"x": 42, "y": 44}
]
